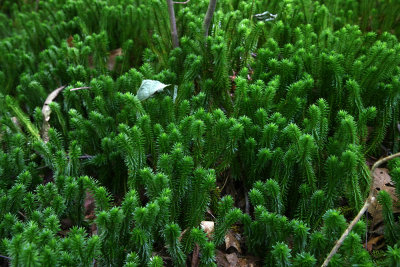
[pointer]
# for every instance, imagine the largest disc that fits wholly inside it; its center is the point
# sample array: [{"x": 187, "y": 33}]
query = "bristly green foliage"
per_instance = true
[{"x": 287, "y": 106}]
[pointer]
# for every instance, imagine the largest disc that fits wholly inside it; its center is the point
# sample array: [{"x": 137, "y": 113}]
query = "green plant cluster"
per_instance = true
[{"x": 288, "y": 108}]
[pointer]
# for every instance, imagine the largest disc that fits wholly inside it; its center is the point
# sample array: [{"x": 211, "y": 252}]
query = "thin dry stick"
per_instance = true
[
  {"x": 20, "y": 213},
  {"x": 5, "y": 257},
  {"x": 182, "y": 3},
  {"x": 247, "y": 206},
  {"x": 80, "y": 88},
  {"x": 172, "y": 21},
  {"x": 226, "y": 180},
  {"x": 370, "y": 200},
  {"x": 209, "y": 16}
]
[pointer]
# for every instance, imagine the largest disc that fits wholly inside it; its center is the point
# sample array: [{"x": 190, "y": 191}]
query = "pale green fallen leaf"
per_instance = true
[{"x": 148, "y": 88}]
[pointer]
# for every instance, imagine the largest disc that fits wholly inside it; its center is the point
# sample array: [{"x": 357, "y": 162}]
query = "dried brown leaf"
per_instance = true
[
  {"x": 232, "y": 259},
  {"x": 70, "y": 41},
  {"x": 221, "y": 259},
  {"x": 246, "y": 262},
  {"x": 375, "y": 243},
  {"x": 46, "y": 111},
  {"x": 90, "y": 215},
  {"x": 112, "y": 58},
  {"x": 208, "y": 228},
  {"x": 382, "y": 181},
  {"x": 232, "y": 241},
  {"x": 89, "y": 205},
  {"x": 93, "y": 229}
]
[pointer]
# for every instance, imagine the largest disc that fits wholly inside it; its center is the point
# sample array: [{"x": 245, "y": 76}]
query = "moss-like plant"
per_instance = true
[{"x": 286, "y": 99}]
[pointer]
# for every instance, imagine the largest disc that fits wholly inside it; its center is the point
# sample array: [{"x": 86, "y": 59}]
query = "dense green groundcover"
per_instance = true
[{"x": 265, "y": 127}]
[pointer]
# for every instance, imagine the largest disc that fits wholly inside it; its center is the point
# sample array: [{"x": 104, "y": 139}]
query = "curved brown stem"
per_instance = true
[{"x": 370, "y": 200}]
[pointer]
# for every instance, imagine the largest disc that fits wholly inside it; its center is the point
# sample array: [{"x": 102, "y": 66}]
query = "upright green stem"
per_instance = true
[{"x": 252, "y": 8}]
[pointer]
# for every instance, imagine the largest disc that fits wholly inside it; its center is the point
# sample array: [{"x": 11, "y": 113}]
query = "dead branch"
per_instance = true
[
  {"x": 209, "y": 16},
  {"x": 182, "y": 3},
  {"x": 172, "y": 21},
  {"x": 195, "y": 256},
  {"x": 80, "y": 88},
  {"x": 83, "y": 157},
  {"x": 370, "y": 200},
  {"x": 5, "y": 257}
]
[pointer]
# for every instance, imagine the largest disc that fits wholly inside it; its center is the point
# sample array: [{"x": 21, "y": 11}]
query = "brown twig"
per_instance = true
[
  {"x": 226, "y": 180},
  {"x": 80, "y": 88},
  {"x": 182, "y": 3},
  {"x": 20, "y": 213},
  {"x": 246, "y": 198},
  {"x": 209, "y": 212},
  {"x": 172, "y": 21},
  {"x": 5, "y": 257},
  {"x": 182, "y": 234},
  {"x": 209, "y": 16},
  {"x": 370, "y": 200},
  {"x": 195, "y": 256},
  {"x": 82, "y": 157}
]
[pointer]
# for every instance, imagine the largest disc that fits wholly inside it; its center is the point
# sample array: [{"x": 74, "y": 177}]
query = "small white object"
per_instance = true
[
  {"x": 148, "y": 88},
  {"x": 266, "y": 16},
  {"x": 208, "y": 227},
  {"x": 175, "y": 93}
]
